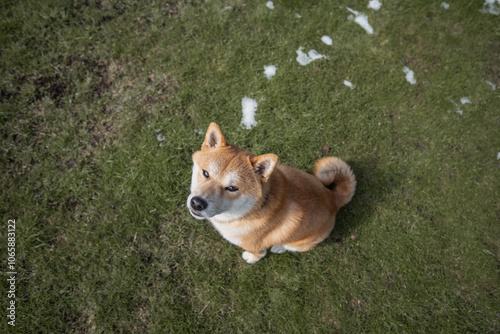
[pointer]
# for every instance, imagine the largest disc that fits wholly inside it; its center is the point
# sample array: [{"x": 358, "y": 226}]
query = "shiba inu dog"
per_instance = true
[{"x": 256, "y": 203}]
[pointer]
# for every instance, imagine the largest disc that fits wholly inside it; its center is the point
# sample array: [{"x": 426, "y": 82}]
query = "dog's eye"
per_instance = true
[
  {"x": 232, "y": 189},
  {"x": 205, "y": 174}
]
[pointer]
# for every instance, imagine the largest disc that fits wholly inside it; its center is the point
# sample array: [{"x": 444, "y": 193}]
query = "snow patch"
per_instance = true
[
  {"x": 457, "y": 110},
  {"x": 269, "y": 71},
  {"x": 199, "y": 132},
  {"x": 160, "y": 139},
  {"x": 491, "y": 7},
  {"x": 270, "y": 5},
  {"x": 349, "y": 84},
  {"x": 374, "y": 4},
  {"x": 327, "y": 40},
  {"x": 305, "y": 59},
  {"x": 361, "y": 19},
  {"x": 465, "y": 100},
  {"x": 498, "y": 156},
  {"x": 249, "y": 106},
  {"x": 493, "y": 86},
  {"x": 445, "y": 5},
  {"x": 410, "y": 76},
  {"x": 297, "y": 15}
]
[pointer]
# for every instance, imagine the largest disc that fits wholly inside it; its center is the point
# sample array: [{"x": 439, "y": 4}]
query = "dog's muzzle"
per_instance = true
[
  {"x": 198, "y": 203},
  {"x": 197, "y": 206}
]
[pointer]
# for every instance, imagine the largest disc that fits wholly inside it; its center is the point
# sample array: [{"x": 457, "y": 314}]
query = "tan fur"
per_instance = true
[{"x": 275, "y": 206}]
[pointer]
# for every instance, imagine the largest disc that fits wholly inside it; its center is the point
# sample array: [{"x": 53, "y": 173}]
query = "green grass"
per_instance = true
[{"x": 104, "y": 241}]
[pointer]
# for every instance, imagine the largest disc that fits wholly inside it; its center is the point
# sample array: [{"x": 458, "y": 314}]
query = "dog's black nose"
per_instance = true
[{"x": 198, "y": 203}]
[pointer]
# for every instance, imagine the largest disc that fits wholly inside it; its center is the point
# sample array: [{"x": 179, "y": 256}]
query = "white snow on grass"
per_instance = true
[
  {"x": 297, "y": 15},
  {"x": 410, "y": 76},
  {"x": 270, "y": 5},
  {"x": 349, "y": 84},
  {"x": 493, "y": 86},
  {"x": 491, "y": 6},
  {"x": 465, "y": 100},
  {"x": 249, "y": 106},
  {"x": 445, "y": 5},
  {"x": 305, "y": 59},
  {"x": 160, "y": 139},
  {"x": 457, "y": 110},
  {"x": 199, "y": 132},
  {"x": 269, "y": 71},
  {"x": 327, "y": 40},
  {"x": 361, "y": 19},
  {"x": 498, "y": 156},
  {"x": 374, "y": 4}
]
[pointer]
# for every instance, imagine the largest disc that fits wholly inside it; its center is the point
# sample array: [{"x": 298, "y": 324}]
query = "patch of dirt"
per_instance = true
[
  {"x": 357, "y": 305},
  {"x": 100, "y": 132},
  {"x": 54, "y": 87}
]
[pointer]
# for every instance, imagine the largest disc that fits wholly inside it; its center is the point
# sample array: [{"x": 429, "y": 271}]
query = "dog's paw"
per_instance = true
[
  {"x": 251, "y": 258},
  {"x": 278, "y": 249}
]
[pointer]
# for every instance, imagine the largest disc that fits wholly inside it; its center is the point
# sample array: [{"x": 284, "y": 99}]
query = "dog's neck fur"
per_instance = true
[{"x": 266, "y": 197}]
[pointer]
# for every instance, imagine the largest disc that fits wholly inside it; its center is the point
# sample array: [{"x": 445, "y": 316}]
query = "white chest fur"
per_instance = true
[{"x": 231, "y": 231}]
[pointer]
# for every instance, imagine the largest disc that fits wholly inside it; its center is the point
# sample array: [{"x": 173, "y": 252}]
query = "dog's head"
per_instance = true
[{"x": 227, "y": 181}]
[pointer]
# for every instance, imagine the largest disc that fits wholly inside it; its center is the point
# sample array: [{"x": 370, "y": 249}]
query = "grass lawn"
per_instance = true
[{"x": 103, "y": 102}]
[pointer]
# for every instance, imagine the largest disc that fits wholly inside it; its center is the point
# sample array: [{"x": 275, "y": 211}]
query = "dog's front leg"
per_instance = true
[{"x": 252, "y": 257}]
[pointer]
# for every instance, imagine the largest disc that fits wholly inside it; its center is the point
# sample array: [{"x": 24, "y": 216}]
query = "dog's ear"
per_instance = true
[
  {"x": 264, "y": 165},
  {"x": 214, "y": 138}
]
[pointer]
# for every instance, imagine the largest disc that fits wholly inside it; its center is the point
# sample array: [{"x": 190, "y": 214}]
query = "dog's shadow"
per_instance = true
[{"x": 373, "y": 186}]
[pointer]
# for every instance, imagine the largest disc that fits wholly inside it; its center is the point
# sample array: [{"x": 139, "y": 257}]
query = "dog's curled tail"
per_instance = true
[{"x": 337, "y": 176}]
